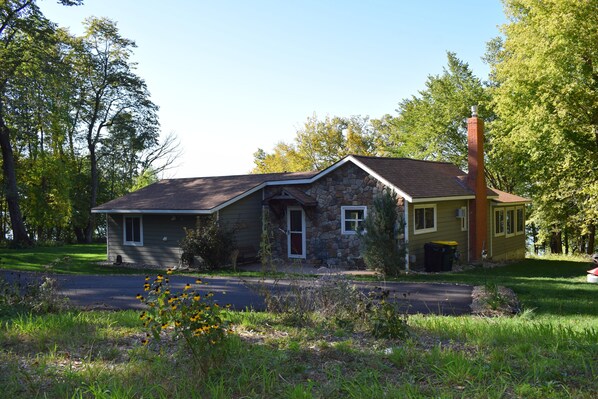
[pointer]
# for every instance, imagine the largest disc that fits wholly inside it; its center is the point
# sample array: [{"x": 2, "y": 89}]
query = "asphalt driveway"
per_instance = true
[{"x": 119, "y": 291}]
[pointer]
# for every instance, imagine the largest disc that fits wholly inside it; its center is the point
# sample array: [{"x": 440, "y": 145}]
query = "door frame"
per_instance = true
[{"x": 303, "y": 240}]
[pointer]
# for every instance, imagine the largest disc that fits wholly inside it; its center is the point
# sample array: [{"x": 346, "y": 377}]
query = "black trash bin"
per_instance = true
[
  {"x": 433, "y": 257},
  {"x": 439, "y": 255}
]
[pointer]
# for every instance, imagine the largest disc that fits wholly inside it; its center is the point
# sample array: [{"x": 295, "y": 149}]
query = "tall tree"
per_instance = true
[
  {"x": 546, "y": 95},
  {"x": 23, "y": 30},
  {"x": 318, "y": 144},
  {"x": 115, "y": 106},
  {"x": 433, "y": 124}
]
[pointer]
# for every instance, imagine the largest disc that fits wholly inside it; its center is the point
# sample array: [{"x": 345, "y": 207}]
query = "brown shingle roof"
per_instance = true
[
  {"x": 415, "y": 178},
  {"x": 420, "y": 179},
  {"x": 194, "y": 194},
  {"x": 508, "y": 198}
]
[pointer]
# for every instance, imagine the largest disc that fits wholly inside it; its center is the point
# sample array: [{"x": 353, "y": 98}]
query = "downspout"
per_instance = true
[
  {"x": 107, "y": 236},
  {"x": 468, "y": 235},
  {"x": 406, "y": 234}
]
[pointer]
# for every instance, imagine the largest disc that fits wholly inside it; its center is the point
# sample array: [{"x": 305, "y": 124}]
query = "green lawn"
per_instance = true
[
  {"x": 70, "y": 259},
  {"x": 551, "y": 287},
  {"x": 549, "y": 351}
]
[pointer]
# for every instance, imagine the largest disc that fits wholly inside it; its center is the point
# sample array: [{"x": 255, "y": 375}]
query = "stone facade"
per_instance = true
[{"x": 325, "y": 244}]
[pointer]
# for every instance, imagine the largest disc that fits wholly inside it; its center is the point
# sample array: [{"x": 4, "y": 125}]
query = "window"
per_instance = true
[
  {"x": 464, "y": 218},
  {"x": 499, "y": 222},
  {"x": 510, "y": 222},
  {"x": 424, "y": 217},
  {"x": 133, "y": 231},
  {"x": 352, "y": 218},
  {"x": 520, "y": 224}
]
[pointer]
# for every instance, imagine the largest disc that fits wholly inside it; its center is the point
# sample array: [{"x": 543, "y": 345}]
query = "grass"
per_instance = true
[
  {"x": 85, "y": 259},
  {"x": 66, "y": 259},
  {"x": 549, "y": 287},
  {"x": 548, "y": 351}
]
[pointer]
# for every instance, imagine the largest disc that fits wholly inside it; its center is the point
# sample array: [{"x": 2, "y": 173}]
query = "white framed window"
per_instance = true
[
  {"x": 510, "y": 222},
  {"x": 499, "y": 221},
  {"x": 520, "y": 220},
  {"x": 133, "y": 230},
  {"x": 424, "y": 219},
  {"x": 352, "y": 218},
  {"x": 464, "y": 218}
]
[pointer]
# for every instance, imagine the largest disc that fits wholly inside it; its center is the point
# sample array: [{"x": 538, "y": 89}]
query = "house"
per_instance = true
[{"x": 314, "y": 216}]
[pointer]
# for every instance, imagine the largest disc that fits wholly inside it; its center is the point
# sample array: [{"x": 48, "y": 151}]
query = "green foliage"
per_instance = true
[
  {"x": 266, "y": 240},
  {"x": 380, "y": 246},
  {"x": 76, "y": 123},
  {"x": 318, "y": 144},
  {"x": 433, "y": 124},
  {"x": 211, "y": 241},
  {"x": 545, "y": 95},
  {"x": 186, "y": 315},
  {"x": 384, "y": 318},
  {"x": 37, "y": 296},
  {"x": 336, "y": 299}
]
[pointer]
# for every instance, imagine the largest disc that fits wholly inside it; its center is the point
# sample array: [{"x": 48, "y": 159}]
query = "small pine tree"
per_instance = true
[
  {"x": 380, "y": 248},
  {"x": 265, "y": 252}
]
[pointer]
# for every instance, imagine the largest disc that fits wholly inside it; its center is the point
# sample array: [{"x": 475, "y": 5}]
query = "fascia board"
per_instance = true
[
  {"x": 498, "y": 203},
  {"x": 439, "y": 199},
  {"x": 157, "y": 211}
]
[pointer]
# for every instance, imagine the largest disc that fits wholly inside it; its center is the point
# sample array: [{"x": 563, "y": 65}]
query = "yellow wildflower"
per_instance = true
[
  {"x": 198, "y": 281},
  {"x": 196, "y": 297},
  {"x": 139, "y": 296},
  {"x": 169, "y": 271},
  {"x": 187, "y": 287}
]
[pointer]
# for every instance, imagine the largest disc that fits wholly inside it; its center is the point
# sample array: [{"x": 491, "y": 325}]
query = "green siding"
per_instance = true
[
  {"x": 245, "y": 217},
  {"x": 161, "y": 237},
  {"x": 448, "y": 229},
  {"x": 162, "y": 233},
  {"x": 503, "y": 248}
]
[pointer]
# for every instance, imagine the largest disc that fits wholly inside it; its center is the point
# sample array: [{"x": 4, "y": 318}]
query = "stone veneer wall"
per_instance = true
[{"x": 325, "y": 244}]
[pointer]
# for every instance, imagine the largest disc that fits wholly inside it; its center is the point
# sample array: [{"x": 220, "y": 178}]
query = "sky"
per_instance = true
[{"x": 234, "y": 76}]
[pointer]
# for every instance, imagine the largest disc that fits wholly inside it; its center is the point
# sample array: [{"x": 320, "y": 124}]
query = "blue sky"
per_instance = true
[{"x": 234, "y": 76}]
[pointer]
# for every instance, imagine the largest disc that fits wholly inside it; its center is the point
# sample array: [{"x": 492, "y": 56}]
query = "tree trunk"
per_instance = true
[
  {"x": 10, "y": 180},
  {"x": 535, "y": 238},
  {"x": 79, "y": 234},
  {"x": 566, "y": 242},
  {"x": 94, "y": 194},
  {"x": 556, "y": 244},
  {"x": 592, "y": 240}
]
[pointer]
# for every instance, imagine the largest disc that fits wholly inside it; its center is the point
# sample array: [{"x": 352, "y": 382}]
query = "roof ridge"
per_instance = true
[
  {"x": 239, "y": 175},
  {"x": 401, "y": 158}
]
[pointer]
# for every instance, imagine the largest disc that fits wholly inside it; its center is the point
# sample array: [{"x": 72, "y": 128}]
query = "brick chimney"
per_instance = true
[{"x": 476, "y": 180}]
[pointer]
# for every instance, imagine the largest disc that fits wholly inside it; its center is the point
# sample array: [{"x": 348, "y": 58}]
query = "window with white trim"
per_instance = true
[
  {"x": 520, "y": 224},
  {"x": 499, "y": 222},
  {"x": 510, "y": 222},
  {"x": 424, "y": 219},
  {"x": 352, "y": 218},
  {"x": 132, "y": 230}
]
